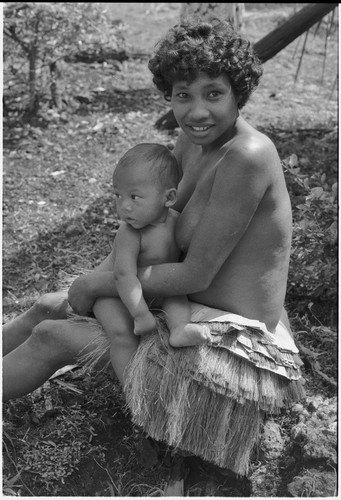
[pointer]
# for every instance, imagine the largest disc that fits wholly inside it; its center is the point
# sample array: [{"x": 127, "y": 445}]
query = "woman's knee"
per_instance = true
[
  {"x": 51, "y": 306},
  {"x": 49, "y": 338}
]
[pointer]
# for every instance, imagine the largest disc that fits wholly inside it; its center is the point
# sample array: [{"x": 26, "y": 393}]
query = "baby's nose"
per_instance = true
[{"x": 126, "y": 206}]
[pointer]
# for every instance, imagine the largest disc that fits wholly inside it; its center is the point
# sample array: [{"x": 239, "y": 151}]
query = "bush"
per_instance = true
[
  {"x": 313, "y": 269},
  {"x": 38, "y": 35}
]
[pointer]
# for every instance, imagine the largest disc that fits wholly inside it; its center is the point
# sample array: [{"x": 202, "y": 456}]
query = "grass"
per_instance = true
[{"x": 58, "y": 216}]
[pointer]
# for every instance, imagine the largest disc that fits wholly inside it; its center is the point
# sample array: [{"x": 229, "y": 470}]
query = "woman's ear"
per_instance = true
[{"x": 170, "y": 197}]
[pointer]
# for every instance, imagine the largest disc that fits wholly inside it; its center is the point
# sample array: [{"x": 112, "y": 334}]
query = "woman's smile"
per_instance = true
[
  {"x": 200, "y": 128},
  {"x": 206, "y": 109}
]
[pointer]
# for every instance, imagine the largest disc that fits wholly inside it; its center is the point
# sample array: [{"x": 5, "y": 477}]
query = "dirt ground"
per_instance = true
[{"x": 73, "y": 437}]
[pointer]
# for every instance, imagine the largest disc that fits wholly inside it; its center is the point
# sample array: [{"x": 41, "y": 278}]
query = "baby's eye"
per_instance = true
[{"x": 135, "y": 197}]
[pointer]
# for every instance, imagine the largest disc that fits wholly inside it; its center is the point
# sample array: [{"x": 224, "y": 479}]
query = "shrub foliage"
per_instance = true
[
  {"x": 313, "y": 268},
  {"x": 38, "y": 35}
]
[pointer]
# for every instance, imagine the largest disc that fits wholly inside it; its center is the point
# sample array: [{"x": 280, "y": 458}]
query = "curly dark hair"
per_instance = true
[{"x": 212, "y": 47}]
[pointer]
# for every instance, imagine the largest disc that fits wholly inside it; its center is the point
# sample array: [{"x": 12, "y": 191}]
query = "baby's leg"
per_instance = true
[
  {"x": 118, "y": 325},
  {"x": 182, "y": 332},
  {"x": 18, "y": 330}
]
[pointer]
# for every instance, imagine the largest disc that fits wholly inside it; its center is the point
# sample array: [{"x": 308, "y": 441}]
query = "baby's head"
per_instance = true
[
  {"x": 145, "y": 184},
  {"x": 155, "y": 160}
]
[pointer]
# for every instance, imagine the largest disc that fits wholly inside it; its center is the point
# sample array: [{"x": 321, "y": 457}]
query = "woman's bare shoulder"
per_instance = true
[{"x": 253, "y": 148}]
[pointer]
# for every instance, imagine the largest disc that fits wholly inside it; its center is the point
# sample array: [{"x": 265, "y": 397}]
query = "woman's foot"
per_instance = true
[{"x": 189, "y": 335}]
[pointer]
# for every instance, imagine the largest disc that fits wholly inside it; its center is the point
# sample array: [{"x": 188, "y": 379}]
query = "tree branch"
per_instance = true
[
  {"x": 278, "y": 39},
  {"x": 12, "y": 34}
]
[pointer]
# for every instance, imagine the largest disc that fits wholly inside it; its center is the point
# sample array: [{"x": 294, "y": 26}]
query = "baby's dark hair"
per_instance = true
[
  {"x": 163, "y": 164},
  {"x": 212, "y": 47}
]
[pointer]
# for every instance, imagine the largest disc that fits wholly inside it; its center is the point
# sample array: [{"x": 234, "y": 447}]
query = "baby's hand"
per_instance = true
[{"x": 144, "y": 324}]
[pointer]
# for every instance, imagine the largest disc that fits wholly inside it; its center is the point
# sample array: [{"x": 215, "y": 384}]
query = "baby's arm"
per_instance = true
[{"x": 128, "y": 285}]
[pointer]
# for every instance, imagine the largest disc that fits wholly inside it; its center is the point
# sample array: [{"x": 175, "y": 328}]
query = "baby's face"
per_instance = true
[{"x": 140, "y": 201}]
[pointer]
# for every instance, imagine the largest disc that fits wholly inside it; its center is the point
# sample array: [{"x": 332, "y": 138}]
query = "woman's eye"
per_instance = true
[
  {"x": 134, "y": 197},
  {"x": 182, "y": 95},
  {"x": 214, "y": 94}
]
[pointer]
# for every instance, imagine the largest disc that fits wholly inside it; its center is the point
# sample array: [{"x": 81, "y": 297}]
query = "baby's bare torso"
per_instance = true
[{"x": 158, "y": 242}]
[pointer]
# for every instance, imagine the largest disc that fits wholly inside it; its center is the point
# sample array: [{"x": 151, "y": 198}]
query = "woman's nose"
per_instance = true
[{"x": 198, "y": 111}]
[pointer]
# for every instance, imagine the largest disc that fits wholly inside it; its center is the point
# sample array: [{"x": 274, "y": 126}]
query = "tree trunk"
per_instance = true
[
  {"x": 300, "y": 22},
  {"x": 274, "y": 42},
  {"x": 33, "y": 103},
  {"x": 227, "y": 11},
  {"x": 56, "y": 100},
  {"x": 32, "y": 77}
]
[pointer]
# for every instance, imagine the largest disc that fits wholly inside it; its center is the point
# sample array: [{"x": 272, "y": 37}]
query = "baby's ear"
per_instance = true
[{"x": 170, "y": 197}]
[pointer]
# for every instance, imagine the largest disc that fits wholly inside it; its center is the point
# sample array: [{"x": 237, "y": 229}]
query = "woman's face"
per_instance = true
[{"x": 205, "y": 109}]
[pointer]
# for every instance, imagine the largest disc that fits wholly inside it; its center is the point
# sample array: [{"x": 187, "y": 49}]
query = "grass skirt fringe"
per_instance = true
[{"x": 207, "y": 400}]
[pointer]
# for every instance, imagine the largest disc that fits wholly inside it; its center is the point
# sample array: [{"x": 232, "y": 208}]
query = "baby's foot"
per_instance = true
[
  {"x": 144, "y": 324},
  {"x": 190, "y": 334}
]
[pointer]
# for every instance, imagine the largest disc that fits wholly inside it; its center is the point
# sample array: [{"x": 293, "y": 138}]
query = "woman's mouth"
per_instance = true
[
  {"x": 201, "y": 128},
  {"x": 199, "y": 131}
]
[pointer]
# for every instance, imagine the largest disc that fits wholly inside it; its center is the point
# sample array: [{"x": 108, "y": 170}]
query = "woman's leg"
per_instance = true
[
  {"x": 51, "y": 345},
  {"x": 118, "y": 325},
  {"x": 17, "y": 331}
]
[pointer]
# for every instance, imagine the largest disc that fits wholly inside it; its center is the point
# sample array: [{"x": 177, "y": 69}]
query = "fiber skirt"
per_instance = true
[{"x": 210, "y": 400}]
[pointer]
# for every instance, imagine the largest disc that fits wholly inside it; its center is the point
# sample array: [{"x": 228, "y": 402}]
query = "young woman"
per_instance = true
[{"x": 234, "y": 231}]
